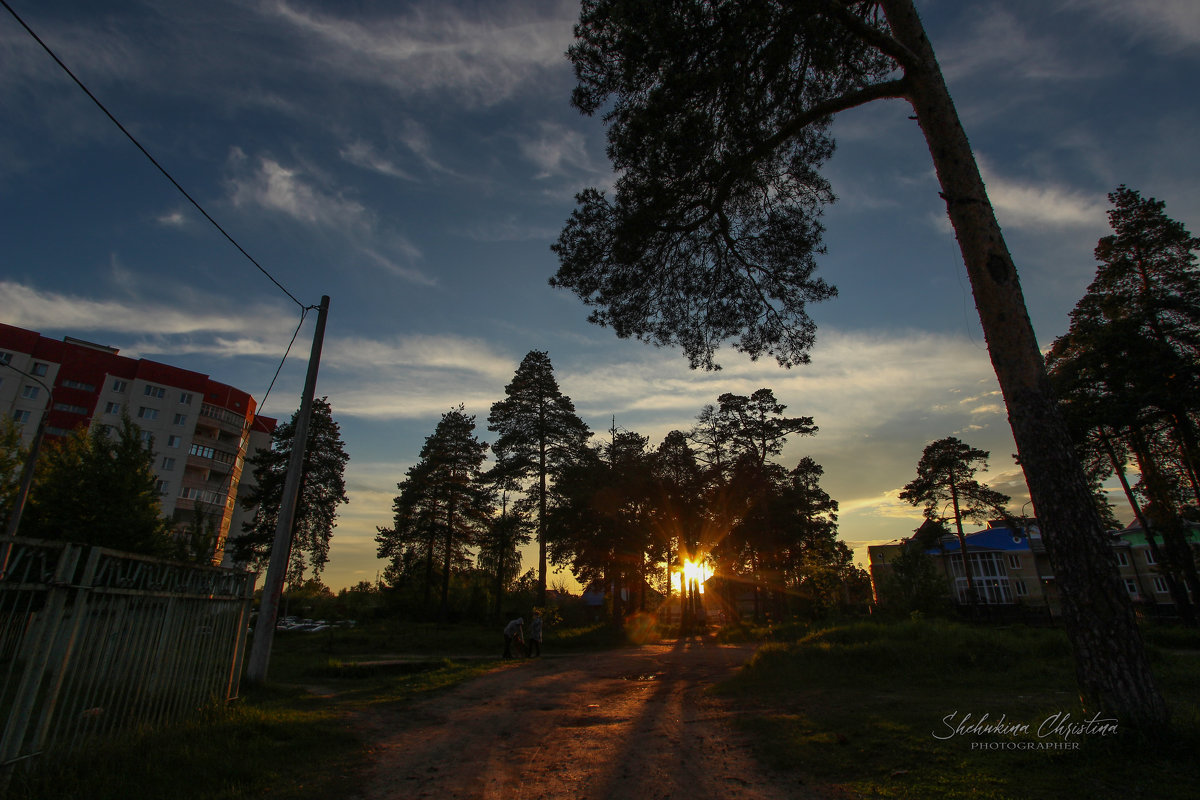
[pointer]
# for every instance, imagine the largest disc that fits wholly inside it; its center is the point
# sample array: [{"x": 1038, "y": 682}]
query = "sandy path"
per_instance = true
[{"x": 632, "y": 723}]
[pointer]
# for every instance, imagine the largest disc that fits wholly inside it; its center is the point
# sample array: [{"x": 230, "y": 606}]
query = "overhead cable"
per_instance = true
[{"x": 146, "y": 153}]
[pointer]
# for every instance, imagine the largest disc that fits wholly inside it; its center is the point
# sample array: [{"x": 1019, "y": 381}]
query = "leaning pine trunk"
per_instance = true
[{"x": 1110, "y": 659}]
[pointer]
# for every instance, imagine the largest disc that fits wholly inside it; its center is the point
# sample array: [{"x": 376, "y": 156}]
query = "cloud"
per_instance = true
[
  {"x": 557, "y": 150},
  {"x": 1174, "y": 24},
  {"x": 28, "y": 307},
  {"x": 363, "y": 154},
  {"x": 410, "y": 274},
  {"x": 482, "y": 57},
  {"x": 173, "y": 219},
  {"x": 276, "y": 187},
  {"x": 997, "y": 42},
  {"x": 1041, "y": 206}
]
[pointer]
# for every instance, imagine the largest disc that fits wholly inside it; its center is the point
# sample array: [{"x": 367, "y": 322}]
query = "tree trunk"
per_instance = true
[
  {"x": 972, "y": 597},
  {"x": 541, "y": 586},
  {"x": 444, "y": 609},
  {"x": 1177, "y": 563},
  {"x": 1110, "y": 660}
]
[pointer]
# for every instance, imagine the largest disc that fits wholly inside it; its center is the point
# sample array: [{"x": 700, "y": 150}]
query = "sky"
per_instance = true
[{"x": 415, "y": 160}]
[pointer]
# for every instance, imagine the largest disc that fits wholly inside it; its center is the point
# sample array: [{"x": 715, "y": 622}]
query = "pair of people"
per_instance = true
[{"x": 515, "y": 630}]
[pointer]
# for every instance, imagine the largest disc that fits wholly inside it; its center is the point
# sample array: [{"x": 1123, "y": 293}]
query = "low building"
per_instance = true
[
  {"x": 1010, "y": 568},
  {"x": 201, "y": 430}
]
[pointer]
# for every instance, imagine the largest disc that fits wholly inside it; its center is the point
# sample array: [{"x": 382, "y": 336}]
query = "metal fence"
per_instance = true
[{"x": 93, "y": 641}]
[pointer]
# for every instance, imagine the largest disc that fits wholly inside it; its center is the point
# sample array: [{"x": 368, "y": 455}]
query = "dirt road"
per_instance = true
[{"x": 632, "y": 723}]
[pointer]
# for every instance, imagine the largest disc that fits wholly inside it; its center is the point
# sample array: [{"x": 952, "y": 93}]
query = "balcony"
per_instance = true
[{"x": 227, "y": 420}]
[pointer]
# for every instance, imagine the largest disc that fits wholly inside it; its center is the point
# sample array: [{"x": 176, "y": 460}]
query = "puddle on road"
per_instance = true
[{"x": 642, "y": 676}]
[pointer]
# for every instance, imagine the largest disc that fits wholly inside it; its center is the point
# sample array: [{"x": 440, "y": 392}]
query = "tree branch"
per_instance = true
[
  {"x": 837, "y": 10},
  {"x": 879, "y": 91}
]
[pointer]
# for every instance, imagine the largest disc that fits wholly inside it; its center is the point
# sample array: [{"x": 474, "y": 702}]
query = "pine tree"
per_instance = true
[
  {"x": 322, "y": 490},
  {"x": 946, "y": 475},
  {"x": 538, "y": 427}
]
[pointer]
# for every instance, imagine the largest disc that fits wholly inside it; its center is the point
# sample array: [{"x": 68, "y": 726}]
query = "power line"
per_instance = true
[
  {"x": 146, "y": 153},
  {"x": 295, "y": 333}
]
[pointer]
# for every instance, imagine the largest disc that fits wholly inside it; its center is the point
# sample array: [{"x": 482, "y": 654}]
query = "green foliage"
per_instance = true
[
  {"x": 322, "y": 490},
  {"x": 12, "y": 460},
  {"x": 99, "y": 489},
  {"x": 915, "y": 584}
]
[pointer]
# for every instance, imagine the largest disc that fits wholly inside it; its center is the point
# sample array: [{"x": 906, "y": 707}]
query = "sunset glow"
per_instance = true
[{"x": 692, "y": 570}]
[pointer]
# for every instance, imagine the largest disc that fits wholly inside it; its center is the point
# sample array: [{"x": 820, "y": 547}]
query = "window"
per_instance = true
[
  {"x": 1131, "y": 587},
  {"x": 119, "y": 385},
  {"x": 147, "y": 413},
  {"x": 20, "y": 416},
  {"x": 1150, "y": 556},
  {"x": 1160, "y": 584},
  {"x": 202, "y": 451},
  {"x": 162, "y": 487},
  {"x": 39, "y": 369},
  {"x": 172, "y": 441},
  {"x": 1021, "y": 590},
  {"x": 181, "y": 419},
  {"x": 168, "y": 464},
  {"x": 185, "y": 398},
  {"x": 87, "y": 387},
  {"x": 70, "y": 408},
  {"x": 1122, "y": 558},
  {"x": 148, "y": 437},
  {"x": 30, "y": 392},
  {"x": 991, "y": 585},
  {"x": 112, "y": 408},
  {"x": 1014, "y": 562},
  {"x": 155, "y": 391}
]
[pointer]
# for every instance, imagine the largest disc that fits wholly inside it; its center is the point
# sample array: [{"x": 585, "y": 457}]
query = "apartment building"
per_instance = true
[{"x": 201, "y": 431}]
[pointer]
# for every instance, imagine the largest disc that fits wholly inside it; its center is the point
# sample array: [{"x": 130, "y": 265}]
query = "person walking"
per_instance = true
[
  {"x": 513, "y": 630},
  {"x": 535, "y": 634}
]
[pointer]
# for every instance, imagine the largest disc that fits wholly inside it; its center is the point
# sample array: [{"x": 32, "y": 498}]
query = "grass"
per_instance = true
[
  {"x": 282, "y": 741},
  {"x": 850, "y": 708},
  {"x": 853, "y": 709}
]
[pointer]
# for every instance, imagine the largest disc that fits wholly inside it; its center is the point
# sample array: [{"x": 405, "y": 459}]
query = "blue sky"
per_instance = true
[{"x": 414, "y": 161}]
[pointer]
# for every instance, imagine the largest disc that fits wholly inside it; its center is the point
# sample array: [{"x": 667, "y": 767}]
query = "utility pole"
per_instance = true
[{"x": 281, "y": 548}]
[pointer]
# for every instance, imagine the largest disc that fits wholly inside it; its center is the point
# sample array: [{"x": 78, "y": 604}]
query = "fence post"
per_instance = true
[
  {"x": 58, "y": 669},
  {"x": 41, "y": 645}
]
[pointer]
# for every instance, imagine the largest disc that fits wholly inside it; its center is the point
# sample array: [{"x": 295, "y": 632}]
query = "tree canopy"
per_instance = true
[
  {"x": 538, "y": 428},
  {"x": 322, "y": 491},
  {"x": 98, "y": 486}
]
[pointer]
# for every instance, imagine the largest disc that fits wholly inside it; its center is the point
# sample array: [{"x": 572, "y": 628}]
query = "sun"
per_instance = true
[{"x": 692, "y": 571}]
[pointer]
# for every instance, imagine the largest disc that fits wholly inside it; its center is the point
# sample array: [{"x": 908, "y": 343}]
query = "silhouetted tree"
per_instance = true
[
  {"x": 946, "y": 474},
  {"x": 538, "y": 427},
  {"x": 322, "y": 490},
  {"x": 443, "y": 501},
  {"x": 501, "y": 539},
  {"x": 718, "y": 114}
]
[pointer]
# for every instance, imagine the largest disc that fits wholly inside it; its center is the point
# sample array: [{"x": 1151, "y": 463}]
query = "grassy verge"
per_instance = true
[{"x": 854, "y": 710}]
